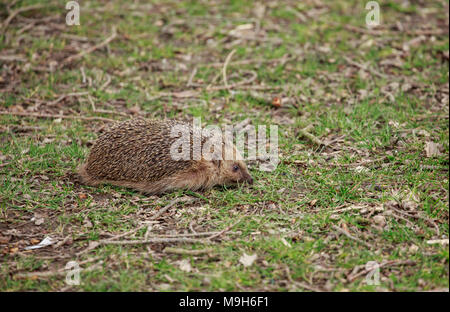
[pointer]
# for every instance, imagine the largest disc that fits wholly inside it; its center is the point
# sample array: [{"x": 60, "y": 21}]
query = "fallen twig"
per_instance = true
[
  {"x": 363, "y": 67},
  {"x": 363, "y": 162},
  {"x": 348, "y": 209},
  {"x": 80, "y": 55},
  {"x": 61, "y": 271},
  {"x": 5, "y": 164},
  {"x": 283, "y": 60},
  {"x": 155, "y": 241},
  {"x": 300, "y": 284},
  {"x": 225, "y": 230},
  {"x": 74, "y": 37},
  {"x": 62, "y": 97},
  {"x": 351, "y": 278},
  {"x": 181, "y": 251},
  {"x": 62, "y": 242},
  {"x": 304, "y": 132},
  {"x": 18, "y": 11},
  {"x": 403, "y": 218},
  {"x": 37, "y": 115},
  {"x": 103, "y": 111},
  {"x": 131, "y": 232},
  {"x": 239, "y": 84},
  {"x": 437, "y": 241},
  {"x": 108, "y": 81},
  {"x": 92, "y": 245},
  {"x": 152, "y": 220},
  {"x": 429, "y": 32},
  {"x": 224, "y": 68},
  {"x": 191, "y": 77},
  {"x": 12, "y": 58},
  {"x": 83, "y": 75},
  {"x": 167, "y": 207},
  {"x": 213, "y": 81},
  {"x": 351, "y": 236},
  {"x": 365, "y": 31},
  {"x": 430, "y": 221},
  {"x": 360, "y": 30},
  {"x": 254, "y": 38},
  {"x": 192, "y": 234}
]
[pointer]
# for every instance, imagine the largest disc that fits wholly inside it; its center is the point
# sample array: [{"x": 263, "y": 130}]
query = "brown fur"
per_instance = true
[{"x": 136, "y": 154}]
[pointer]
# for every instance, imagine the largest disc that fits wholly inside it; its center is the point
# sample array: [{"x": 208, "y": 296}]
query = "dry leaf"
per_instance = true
[
  {"x": 432, "y": 149},
  {"x": 13, "y": 250},
  {"x": 184, "y": 265},
  {"x": 4, "y": 239},
  {"x": 276, "y": 102},
  {"x": 38, "y": 221},
  {"x": 45, "y": 242},
  {"x": 247, "y": 260}
]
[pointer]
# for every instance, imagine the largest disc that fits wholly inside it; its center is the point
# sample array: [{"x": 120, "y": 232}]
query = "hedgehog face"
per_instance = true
[{"x": 234, "y": 172}]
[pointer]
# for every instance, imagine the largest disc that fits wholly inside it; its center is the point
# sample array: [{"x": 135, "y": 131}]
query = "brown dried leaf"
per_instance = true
[
  {"x": 276, "y": 102},
  {"x": 4, "y": 239},
  {"x": 432, "y": 149},
  {"x": 247, "y": 260}
]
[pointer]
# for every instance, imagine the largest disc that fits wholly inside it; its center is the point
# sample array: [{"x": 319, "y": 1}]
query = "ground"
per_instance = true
[{"x": 367, "y": 180}]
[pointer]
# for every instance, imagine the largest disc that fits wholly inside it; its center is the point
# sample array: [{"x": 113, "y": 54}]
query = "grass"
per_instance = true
[{"x": 377, "y": 163}]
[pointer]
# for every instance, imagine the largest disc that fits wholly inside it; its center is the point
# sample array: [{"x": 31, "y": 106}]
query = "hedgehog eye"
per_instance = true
[{"x": 235, "y": 168}]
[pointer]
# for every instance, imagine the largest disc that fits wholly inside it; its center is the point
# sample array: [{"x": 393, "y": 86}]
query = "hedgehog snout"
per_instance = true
[{"x": 247, "y": 178}]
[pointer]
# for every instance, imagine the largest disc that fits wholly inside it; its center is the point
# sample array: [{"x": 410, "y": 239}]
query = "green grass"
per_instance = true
[{"x": 379, "y": 127}]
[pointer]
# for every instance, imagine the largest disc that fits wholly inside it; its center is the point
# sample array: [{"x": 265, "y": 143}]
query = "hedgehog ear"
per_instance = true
[{"x": 216, "y": 162}]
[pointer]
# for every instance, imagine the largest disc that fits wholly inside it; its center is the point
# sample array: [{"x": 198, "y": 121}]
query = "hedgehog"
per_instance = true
[{"x": 137, "y": 154}]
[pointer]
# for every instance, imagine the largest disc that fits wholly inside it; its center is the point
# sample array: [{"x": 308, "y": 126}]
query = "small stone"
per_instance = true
[
  {"x": 380, "y": 220},
  {"x": 39, "y": 221},
  {"x": 413, "y": 249}
]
